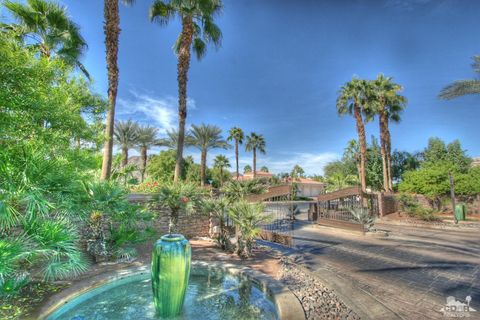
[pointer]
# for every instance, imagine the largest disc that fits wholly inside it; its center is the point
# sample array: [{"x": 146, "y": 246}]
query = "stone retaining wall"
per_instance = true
[{"x": 195, "y": 225}]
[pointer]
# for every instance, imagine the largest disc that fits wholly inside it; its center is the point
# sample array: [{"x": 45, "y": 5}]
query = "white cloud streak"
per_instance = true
[{"x": 162, "y": 111}]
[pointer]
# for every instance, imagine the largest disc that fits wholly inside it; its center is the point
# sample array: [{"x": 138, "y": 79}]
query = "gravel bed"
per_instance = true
[{"x": 318, "y": 301}]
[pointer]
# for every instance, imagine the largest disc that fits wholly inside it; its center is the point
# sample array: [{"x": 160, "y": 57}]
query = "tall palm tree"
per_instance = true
[
  {"x": 126, "y": 135},
  {"x": 147, "y": 138},
  {"x": 112, "y": 32},
  {"x": 198, "y": 28},
  {"x": 352, "y": 100},
  {"x": 221, "y": 162},
  {"x": 236, "y": 134},
  {"x": 46, "y": 27},
  {"x": 206, "y": 137},
  {"x": 255, "y": 142},
  {"x": 388, "y": 104},
  {"x": 463, "y": 87}
]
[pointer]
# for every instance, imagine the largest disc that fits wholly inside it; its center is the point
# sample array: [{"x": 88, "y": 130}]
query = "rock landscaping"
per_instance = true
[{"x": 318, "y": 301}]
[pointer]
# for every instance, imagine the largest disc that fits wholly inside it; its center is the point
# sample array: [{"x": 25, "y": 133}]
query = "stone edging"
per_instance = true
[{"x": 288, "y": 306}]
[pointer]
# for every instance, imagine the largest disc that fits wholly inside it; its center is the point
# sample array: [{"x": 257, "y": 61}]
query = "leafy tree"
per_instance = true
[
  {"x": 432, "y": 178},
  {"x": 221, "y": 163},
  {"x": 198, "y": 28},
  {"x": 247, "y": 169},
  {"x": 46, "y": 27},
  {"x": 353, "y": 100},
  {"x": 147, "y": 138},
  {"x": 255, "y": 142},
  {"x": 297, "y": 172},
  {"x": 43, "y": 102},
  {"x": 438, "y": 151},
  {"x": 339, "y": 181},
  {"x": 387, "y": 104},
  {"x": 126, "y": 135},
  {"x": 112, "y": 33},
  {"x": 206, "y": 137},
  {"x": 264, "y": 169},
  {"x": 402, "y": 162},
  {"x": 463, "y": 87},
  {"x": 237, "y": 135},
  {"x": 374, "y": 166},
  {"x": 161, "y": 167}
]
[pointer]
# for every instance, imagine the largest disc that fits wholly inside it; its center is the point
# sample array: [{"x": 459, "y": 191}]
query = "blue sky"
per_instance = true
[{"x": 281, "y": 65}]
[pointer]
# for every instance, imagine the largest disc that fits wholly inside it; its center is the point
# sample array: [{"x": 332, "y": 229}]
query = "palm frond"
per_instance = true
[{"x": 460, "y": 88}]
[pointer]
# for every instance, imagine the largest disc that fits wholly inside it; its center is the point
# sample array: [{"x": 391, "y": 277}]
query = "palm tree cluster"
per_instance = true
[
  {"x": 129, "y": 134},
  {"x": 365, "y": 99}
]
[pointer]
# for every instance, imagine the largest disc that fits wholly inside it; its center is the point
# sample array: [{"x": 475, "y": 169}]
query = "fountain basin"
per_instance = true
[{"x": 216, "y": 291}]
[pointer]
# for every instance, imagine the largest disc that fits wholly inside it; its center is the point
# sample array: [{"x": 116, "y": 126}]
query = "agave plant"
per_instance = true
[
  {"x": 363, "y": 216},
  {"x": 247, "y": 217}
]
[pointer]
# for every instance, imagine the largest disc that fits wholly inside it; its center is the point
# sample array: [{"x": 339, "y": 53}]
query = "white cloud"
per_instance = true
[{"x": 162, "y": 111}]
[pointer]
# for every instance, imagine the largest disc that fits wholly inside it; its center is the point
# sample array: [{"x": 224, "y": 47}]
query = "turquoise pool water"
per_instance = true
[{"x": 211, "y": 295}]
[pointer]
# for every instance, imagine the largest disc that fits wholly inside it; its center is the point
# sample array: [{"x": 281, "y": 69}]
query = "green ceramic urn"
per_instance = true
[{"x": 171, "y": 261}]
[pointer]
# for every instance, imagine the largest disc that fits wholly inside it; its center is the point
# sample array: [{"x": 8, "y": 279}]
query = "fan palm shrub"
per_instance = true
[
  {"x": 247, "y": 217},
  {"x": 217, "y": 209},
  {"x": 46, "y": 27},
  {"x": 205, "y": 138},
  {"x": 179, "y": 198},
  {"x": 236, "y": 190},
  {"x": 198, "y": 29}
]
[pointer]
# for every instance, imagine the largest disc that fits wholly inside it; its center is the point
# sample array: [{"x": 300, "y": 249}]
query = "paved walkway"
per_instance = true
[{"x": 410, "y": 273}]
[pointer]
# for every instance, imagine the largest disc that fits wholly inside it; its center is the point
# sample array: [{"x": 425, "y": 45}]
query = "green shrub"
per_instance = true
[
  {"x": 247, "y": 217},
  {"x": 413, "y": 208}
]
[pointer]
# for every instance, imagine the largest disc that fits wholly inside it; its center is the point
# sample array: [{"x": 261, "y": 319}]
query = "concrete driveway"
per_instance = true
[{"x": 407, "y": 275}]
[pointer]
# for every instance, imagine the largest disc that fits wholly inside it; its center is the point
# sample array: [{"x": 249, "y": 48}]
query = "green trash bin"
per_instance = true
[{"x": 460, "y": 211}]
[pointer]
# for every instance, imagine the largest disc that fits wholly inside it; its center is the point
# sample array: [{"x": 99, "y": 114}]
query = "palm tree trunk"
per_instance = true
[
  {"x": 124, "y": 157},
  {"x": 388, "y": 142},
  {"x": 383, "y": 148},
  {"x": 143, "y": 154},
  {"x": 112, "y": 31},
  {"x": 221, "y": 176},
  {"x": 254, "y": 162},
  {"x": 236, "y": 157},
  {"x": 363, "y": 146},
  {"x": 182, "y": 69},
  {"x": 203, "y": 167}
]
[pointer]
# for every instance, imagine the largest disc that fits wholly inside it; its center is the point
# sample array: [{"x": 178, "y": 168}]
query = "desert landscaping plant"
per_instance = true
[
  {"x": 247, "y": 217},
  {"x": 178, "y": 198}
]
